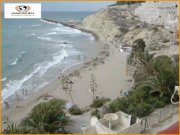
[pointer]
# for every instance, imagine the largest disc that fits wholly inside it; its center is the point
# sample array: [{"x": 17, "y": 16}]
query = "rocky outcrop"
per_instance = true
[
  {"x": 111, "y": 23},
  {"x": 155, "y": 37},
  {"x": 118, "y": 25}
]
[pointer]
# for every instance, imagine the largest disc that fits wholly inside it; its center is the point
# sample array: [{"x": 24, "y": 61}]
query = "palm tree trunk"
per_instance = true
[
  {"x": 71, "y": 98},
  {"x": 93, "y": 95}
]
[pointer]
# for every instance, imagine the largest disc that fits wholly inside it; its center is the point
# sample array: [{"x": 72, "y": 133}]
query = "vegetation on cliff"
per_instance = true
[{"x": 154, "y": 89}]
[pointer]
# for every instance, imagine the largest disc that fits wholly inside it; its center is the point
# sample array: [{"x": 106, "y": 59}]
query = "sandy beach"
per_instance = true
[{"x": 111, "y": 78}]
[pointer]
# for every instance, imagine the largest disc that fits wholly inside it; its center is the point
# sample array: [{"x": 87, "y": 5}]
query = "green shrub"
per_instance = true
[
  {"x": 99, "y": 102},
  {"x": 156, "y": 102},
  {"x": 155, "y": 29},
  {"x": 143, "y": 109},
  {"x": 47, "y": 117},
  {"x": 76, "y": 111},
  {"x": 159, "y": 104},
  {"x": 139, "y": 45},
  {"x": 96, "y": 113},
  {"x": 118, "y": 104}
]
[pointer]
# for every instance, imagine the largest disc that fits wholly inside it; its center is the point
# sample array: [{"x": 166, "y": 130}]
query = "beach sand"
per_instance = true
[{"x": 111, "y": 78}]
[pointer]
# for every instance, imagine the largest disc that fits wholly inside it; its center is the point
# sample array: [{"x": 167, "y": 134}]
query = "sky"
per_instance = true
[{"x": 74, "y": 6}]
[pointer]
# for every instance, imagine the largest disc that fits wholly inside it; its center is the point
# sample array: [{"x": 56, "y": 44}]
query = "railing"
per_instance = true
[
  {"x": 157, "y": 117},
  {"x": 160, "y": 115}
]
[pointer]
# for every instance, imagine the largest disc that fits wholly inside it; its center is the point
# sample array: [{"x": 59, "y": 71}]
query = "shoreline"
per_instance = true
[
  {"x": 12, "y": 97},
  {"x": 95, "y": 35},
  {"x": 30, "y": 100},
  {"x": 20, "y": 109},
  {"x": 113, "y": 64}
]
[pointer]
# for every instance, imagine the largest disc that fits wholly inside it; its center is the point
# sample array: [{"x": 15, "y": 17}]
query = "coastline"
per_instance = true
[
  {"x": 113, "y": 64},
  {"x": 28, "y": 101},
  {"x": 116, "y": 62},
  {"x": 71, "y": 25}
]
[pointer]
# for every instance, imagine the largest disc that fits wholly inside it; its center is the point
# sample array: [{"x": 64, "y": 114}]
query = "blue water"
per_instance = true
[{"x": 33, "y": 51}]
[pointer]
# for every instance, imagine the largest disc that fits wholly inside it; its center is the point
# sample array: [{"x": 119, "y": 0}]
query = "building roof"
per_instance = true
[{"x": 173, "y": 129}]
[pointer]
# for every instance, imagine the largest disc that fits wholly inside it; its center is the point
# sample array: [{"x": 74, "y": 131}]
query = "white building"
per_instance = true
[
  {"x": 117, "y": 123},
  {"x": 159, "y": 13}
]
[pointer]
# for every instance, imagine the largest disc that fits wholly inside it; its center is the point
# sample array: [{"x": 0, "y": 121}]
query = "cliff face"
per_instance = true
[
  {"x": 110, "y": 23},
  {"x": 118, "y": 24}
]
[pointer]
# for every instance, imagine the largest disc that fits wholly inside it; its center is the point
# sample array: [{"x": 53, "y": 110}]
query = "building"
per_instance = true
[
  {"x": 159, "y": 13},
  {"x": 116, "y": 123}
]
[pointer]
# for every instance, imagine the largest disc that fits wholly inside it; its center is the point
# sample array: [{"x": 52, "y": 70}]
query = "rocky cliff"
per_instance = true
[
  {"x": 110, "y": 23},
  {"x": 118, "y": 24}
]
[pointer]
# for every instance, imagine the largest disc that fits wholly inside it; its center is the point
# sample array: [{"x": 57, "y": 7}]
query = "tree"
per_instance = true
[
  {"x": 47, "y": 117},
  {"x": 138, "y": 47},
  {"x": 93, "y": 85},
  {"x": 164, "y": 80},
  {"x": 146, "y": 63},
  {"x": 67, "y": 87}
]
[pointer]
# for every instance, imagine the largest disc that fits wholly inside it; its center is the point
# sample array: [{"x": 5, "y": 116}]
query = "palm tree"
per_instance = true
[
  {"x": 162, "y": 83},
  {"x": 93, "y": 85},
  {"x": 162, "y": 74},
  {"x": 146, "y": 62},
  {"x": 67, "y": 87}
]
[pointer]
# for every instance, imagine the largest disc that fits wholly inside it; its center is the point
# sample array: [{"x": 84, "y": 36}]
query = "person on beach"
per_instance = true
[
  {"x": 7, "y": 105},
  {"x": 23, "y": 92},
  {"x": 17, "y": 96}
]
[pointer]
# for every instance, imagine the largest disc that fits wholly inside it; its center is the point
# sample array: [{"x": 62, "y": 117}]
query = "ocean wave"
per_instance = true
[
  {"x": 50, "y": 40},
  {"x": 3, "y": 79},
  {"x": 56, "y": 60},
  {"x": 45, "y": 38},
  {"x": 66, "y": 45},
  {"x": 50, "y": 22},
  {"x": 66, "y": 30},
  {"x": 51, "y": 33},
  {"x": 41, "y": 86},
  {"x": 13, "y": 86},
  {"x": 18, "y": 58},
  {"x": 35, "y": 25},
  {"x": 32, "y": 34}
]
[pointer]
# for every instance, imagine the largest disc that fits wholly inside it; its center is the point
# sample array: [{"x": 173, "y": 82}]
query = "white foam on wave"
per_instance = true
[
  {"x": 51, "y": 33},
  {"x": 13, "y": 86},
  {"x": 18, "y": 58},
  {"x": 32, "y": 34},
  {"x": 45, "y": 38},
  {"x": 66, "y": 30},
  {"x": 48, "y": 40},
  {"x": 41, "y": 86},
  {"x": 35, "y": 25},
  {"x": 66, "y": 45},
  {"x": 3, "y": 79},
  {"x": 51, "y": 22},
  {"x": 56, "y": 60},
  {"x": 91, "y": 37}
]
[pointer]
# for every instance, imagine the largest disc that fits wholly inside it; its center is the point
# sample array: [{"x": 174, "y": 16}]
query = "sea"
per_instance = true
[{"x": 35, "y": 51}]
